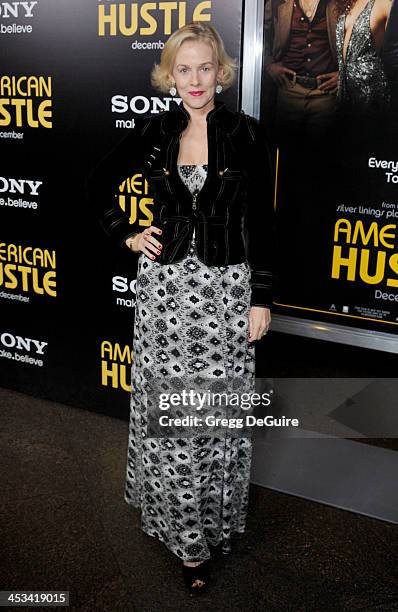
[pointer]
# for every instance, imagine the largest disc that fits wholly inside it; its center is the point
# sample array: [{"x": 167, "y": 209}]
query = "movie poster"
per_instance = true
[{"x": 329, "y": 100}]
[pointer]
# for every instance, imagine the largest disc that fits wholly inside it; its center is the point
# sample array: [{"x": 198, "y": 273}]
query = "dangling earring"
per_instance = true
[
  {"x": 218, "y": 88},
  {"x": 173, "y": 91}
]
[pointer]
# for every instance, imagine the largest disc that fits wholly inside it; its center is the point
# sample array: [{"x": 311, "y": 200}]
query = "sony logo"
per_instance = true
[
  {"x": 122, "y": 284},
  {"x": 18, "y": 342},
  {"x": 16, "y": 9},
  {"x": 23, "y": 186},
  {"x": 141, "y": 104}
]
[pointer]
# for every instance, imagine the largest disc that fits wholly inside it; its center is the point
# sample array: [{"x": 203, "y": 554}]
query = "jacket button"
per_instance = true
[
  {"x": 167, "y": 172},
  {"x": 221, "y": 172}
]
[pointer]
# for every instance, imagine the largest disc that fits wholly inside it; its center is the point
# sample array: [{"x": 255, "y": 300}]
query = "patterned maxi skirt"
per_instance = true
[{"x": 189, "y": 318}]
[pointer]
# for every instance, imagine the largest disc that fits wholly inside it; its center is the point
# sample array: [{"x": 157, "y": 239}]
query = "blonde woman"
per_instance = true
[{"x": 204, "y": 284}]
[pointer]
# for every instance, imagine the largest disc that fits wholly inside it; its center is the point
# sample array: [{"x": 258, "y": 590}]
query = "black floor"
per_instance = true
[{"x": 66, "y": 526}]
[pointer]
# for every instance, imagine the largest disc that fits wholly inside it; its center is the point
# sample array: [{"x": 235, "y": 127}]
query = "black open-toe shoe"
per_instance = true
[{"x": 200, "y": 572}]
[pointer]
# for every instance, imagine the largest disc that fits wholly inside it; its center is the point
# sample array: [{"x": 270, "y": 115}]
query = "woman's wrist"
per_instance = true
[{"x": 131, "y": 242}]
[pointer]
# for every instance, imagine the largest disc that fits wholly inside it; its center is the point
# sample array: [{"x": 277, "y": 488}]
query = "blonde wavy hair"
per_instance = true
[{"x": 196, "y": 30}]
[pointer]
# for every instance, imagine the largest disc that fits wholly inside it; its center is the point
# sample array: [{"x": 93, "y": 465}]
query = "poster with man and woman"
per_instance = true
[{"x": 330, "y": 103}]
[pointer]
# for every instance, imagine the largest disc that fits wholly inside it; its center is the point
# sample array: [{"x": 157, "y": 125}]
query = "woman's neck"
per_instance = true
[{"x": 198, "y": 115}]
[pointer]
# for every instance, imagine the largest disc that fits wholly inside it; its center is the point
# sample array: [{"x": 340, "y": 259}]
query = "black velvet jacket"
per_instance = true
[{"x": 234, "y": 215}]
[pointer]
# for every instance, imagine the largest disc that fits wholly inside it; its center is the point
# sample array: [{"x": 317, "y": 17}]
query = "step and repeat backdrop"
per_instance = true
[
  {"x": 74, "y": 76},
  {"x": 330, "y": 101}
]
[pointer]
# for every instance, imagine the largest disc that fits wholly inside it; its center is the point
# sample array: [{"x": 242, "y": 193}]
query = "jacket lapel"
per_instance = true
[
  {"x": 219, "y": 120},
  {"x": 285, "y": 12}
]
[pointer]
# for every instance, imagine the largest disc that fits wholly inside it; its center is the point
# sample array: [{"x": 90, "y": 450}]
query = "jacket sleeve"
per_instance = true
[
  {"x": 268, "y": 34},
  {"x": 101, "y": 184},
  {"x": 260, "y": 221}
]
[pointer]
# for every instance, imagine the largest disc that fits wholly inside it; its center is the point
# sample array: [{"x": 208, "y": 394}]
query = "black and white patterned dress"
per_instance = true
[{"x": 189, "y": 318}]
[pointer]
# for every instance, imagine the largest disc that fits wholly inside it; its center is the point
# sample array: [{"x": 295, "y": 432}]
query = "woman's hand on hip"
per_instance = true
[
  {"x": 259, "y": 322},
  {"x": 145, "y": 242}
]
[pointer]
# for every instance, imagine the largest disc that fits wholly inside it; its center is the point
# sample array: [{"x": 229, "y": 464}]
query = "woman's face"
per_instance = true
[{"x": 195, "y": 73}]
